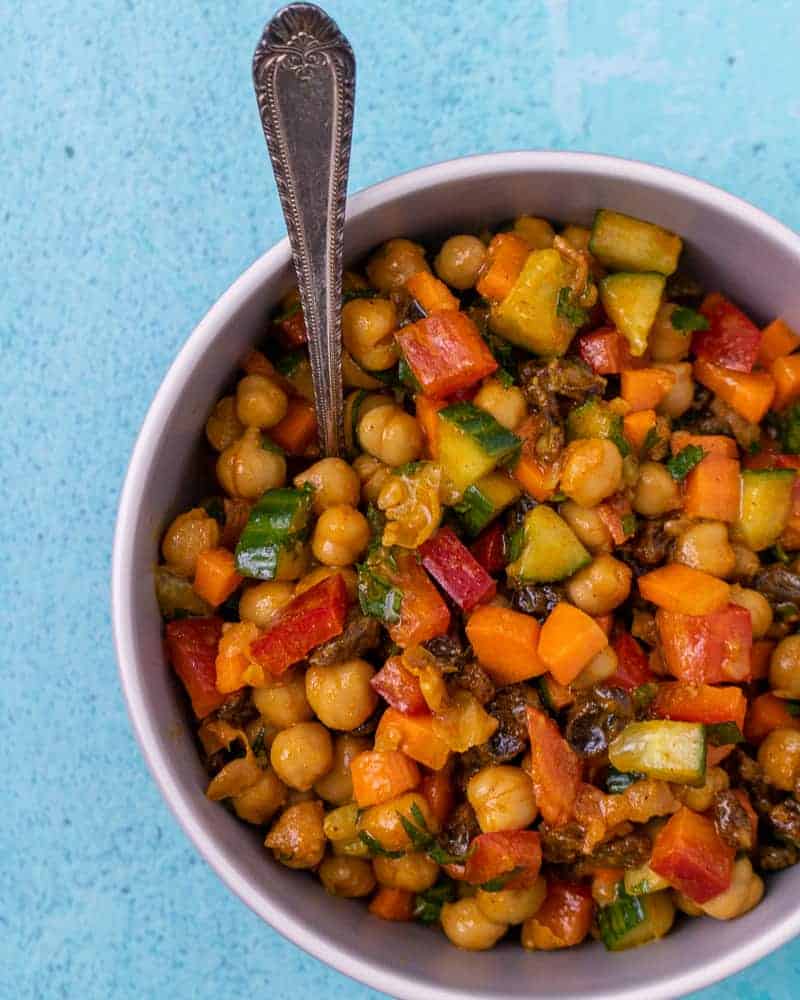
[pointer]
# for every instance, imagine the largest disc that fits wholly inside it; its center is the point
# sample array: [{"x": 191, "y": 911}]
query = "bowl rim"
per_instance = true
[{"x": 181, "y": 805}]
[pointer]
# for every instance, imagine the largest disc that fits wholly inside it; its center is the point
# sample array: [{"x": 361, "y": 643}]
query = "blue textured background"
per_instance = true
[{"x": 134, "y": 190}]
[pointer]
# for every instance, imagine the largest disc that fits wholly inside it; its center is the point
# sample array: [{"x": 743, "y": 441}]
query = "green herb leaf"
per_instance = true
[
  {"x": 616, "y": 435},
  {"x": 378, "y": 597},
  {"x": 680, "y": 465},
  {"x": 428, "y": 904},
  {"x": 501, "y": 881},
  {"x": 781, "y": 555},
  {"x": 651, "y": 440},
  {"x": 287, "y": 313},
  {"x": 629, "y": 524},
  {"x": 721, "y": 734},
  {"x": 567, "y": 308},
  {"x": 687, "y": 320},
  {"x": 424, "y": 841},
  {"x": 619, "y": 781},
  {"x": 504, "y": 377},
  {"x": 409, "y": 469},
  {"x": 376, "y": 848},
  {"x": 406, "y": 376},
  {"x": 789, "y": 430},
  {"x": 501, "y": 349}
]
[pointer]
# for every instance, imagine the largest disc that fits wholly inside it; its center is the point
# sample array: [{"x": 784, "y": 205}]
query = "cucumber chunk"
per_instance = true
[
  {"x": 623, "y": 243},
  {"x": 670, "y": 751},
  {"x": 274, "y": 532},
  {"x": 471, "y": 444},
  {"x": 765, "y": 503},
  {"x": 485, "y": 500},
  {"x": 632, "y": 301},
  {"x": 633, "y": 920},
  {"x": 550, "y": 549}
]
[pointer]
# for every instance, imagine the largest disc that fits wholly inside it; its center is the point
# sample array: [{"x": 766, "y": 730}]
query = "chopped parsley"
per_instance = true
[
  {"x": 651, "y": 440},
  {"x": 686, "y": 320},
  {"x": 376, "y": 848},
  {"x": 424, "y": 841},
  {"x": 568, "y": 310},
  {"x": 680, "y": 465},
  {"x": 428, "y": 904},
  {"x": 499, "y": 883}
]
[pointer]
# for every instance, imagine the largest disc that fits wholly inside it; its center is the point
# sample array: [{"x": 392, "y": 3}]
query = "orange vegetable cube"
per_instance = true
[
  {"x": 749, "y": 393},
  {"x": 680, "y": 588},
  {"x": 540, "y": 479},
  {"x": 712, "y": 444},
  {"x": 569, "y": 639},
  {"x": 445, "y": 352},
  {"x": 712, "y": 490},
  {"x": 381, "y": 775},
  {"x": 392, "y": 904},
  {"x": 298, "y": 429},
  {"x": 418, "y": 736},
  {"x": 777, "y": 340},
  {"x": 645, "y": 388},
  {"x": 690, "y": 854},
  {"x": 563, "y": 920},
  {"x": 555, "y": 769},
  {"x": 636, "y": 425},
  {"x": 767, "y": 712},
  {"x": 505, "y": 642},
  {"x": 430, "y": 292},
  {"x": 507, "y": 254},
  {"x": 215, "y": 577},
  {"x": 786, "y": 372}
]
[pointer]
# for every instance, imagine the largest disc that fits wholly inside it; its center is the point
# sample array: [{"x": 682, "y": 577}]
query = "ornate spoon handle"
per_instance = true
[{"x": 304, "y": 77}]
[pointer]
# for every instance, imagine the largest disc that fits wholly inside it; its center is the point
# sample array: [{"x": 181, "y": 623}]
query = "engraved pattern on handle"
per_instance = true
[{"x": 304, "y": 78}]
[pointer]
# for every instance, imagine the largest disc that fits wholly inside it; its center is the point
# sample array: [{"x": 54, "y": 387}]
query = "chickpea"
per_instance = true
[
  {"x": 705, "y": 546},
  {"x": 340, "y": 535},
  {"x": 506, "y": 405},
  {"x": 656, "y": 491},
  {"x": 744, "y": 892},
  {"x": 320, "y": 573},
  {"x": 759, "y": 608},
  {"x": 467, "y": 927},
  {"x": 383, "y": 821},
  {"x": 297, "y": 838},
  {"x": 390, "y": 434},
  {"x": 587, "y": 525},
  {"x": 680, "y": 396},
  {"x": 686, "y": 905},
  {"x": 412, "y": 872},
  {"x": 372, "y": 474},
  {"x": 502, "y": 797},
  {"x": 283, "y": 702},
  {"x": 592, "y": 471},
  {"x": 601, "y": 666},
  {"x": 302, "y": 754},
  {"x": 347, "y": 877},
  {"x": 336, "y": 787},
  {"x": 223, "y": 427},
  {"x": 537, "y": 233},
  {"x": 784, "y": 666},
  {"x": 246, "y": 469},
  {"x": 341, "y": 695},
  {"x": 342, "y": 824},
  {"x": 747, "y": 562},
  {"x": 512, "y": 906},
  {"x": 601, "y": 586},
  {"x": 702, "y": 798},
  {"x": 260, "y": 402},
  {"x": 779, "y": 757},
  {"x": 392, "y": 265},
  {"x": 293, "y": 562},
  {"x": 358, "y": 405},
  {"x": 577, "y": 236},
  {"x": 260, "y": 603},
  {"x": 334, "y": 482},
  {"x": 459, "y": 261},
  {"x": 259, "y": 803},
  {"x": 667, "y": 344},
  {"x": 368, "y": 327},
  {"x": 189, "y": 535}
]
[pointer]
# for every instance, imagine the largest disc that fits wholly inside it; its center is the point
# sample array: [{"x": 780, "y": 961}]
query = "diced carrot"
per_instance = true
[
  {"x": 381, "y": 775},
  {"x": 507, "y": 254},
  {"x": 392, "y": 904},
  {"x": 418, "y": 736},
  {"x": 766, "y": 712},
  {"x": 786, "y": 372},
  {"x": 568, "y": 640},
  {"x": 514, "y": 855},
  {"x": 605, "y": 882},
  {"x": 423, "y": 613},
  {"x": 680, "y": 588},
  {"x": 749, "y": 393},
  {"x": 777, "y": 340},
  {"x": 759, "y": 659},
  {"x": 438, "y": 789},
  {"x": 215, "y": 577},
  {"x": 564, "y": 918},
  {"x": 430, "y": 292},
  {"x": 505, "y": 642},
  {"x": 540, "y": 479},
  {"x": 690, "y": 854},
  {"x": 707, "y": 649},
  {"x": 700, "y": 703},
  {"x": 712, "y": 444},
  {"x": 712, "y": 490},
  {"x": 445, "y": 352},
  {"x": 298, "y": 429},
  {"x": 555, "y": 768},
  {"x": 426, "y": 410},
  {"x": 636, "y": 425},
  {"x": 645, "y": 388}
]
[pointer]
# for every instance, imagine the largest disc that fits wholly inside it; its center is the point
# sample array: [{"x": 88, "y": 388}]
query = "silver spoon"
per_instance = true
[{"x": 304, "y": 76}]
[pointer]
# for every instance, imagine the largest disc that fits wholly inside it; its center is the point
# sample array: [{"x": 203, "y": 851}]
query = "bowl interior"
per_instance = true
[{"x": 729, "y": 245}]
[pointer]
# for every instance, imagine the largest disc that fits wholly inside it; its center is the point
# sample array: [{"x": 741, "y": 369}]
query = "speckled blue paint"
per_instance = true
[{"x": 134, "y": 190}]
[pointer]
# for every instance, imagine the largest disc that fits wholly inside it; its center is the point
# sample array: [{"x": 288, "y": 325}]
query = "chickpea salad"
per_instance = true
[{"x": 526, "y": 662}]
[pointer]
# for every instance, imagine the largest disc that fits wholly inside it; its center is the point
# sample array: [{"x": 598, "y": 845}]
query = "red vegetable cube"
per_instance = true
[
  {"x": 456, "y": 570},
  {"x": 605, "y": 351},
  {"x": 732, "y": 339},
  {"x": 690, "y": 854},
  {"x": 446, "y": 353},
  {"x": 496, "y": 854},
  {"x": 399, "y": 687},
  {"x": 707, "y": 649},
  {"x": 192, "y": 650}
]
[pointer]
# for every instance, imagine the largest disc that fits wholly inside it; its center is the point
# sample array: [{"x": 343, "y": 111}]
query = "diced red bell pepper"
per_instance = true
[
  {"x": 445, "y": 352},
  {"x": 437, "y": 787},
  {"x": 191, "y": 645},
  {"x": 605, "y": 351},
  {"x": 690, "y": 854},
  {"x": 707, "y": 649},
  {"x": 399, "y": 688},
  {"x": 496, "y": 854},
  {"x": 309, "y": 619},
  {"x": 423, "y": 612},
  {"x": 700, "y": 703},
  {"x": 292, "y": 330},
  {"x": 556, "y": 769},
  {"x": 489, "y": 548},
  {"x": 632, "y": 664},
  {"x": 456, "y": 570},
  {"x": 732, "y": 340}
]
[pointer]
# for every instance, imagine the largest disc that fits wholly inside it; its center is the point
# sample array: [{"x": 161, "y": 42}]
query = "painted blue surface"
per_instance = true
[{"x": 134, "y": 189}]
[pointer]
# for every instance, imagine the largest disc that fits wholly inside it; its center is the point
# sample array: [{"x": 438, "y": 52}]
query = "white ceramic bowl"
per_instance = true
[{"x": 730, "y": 245}]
